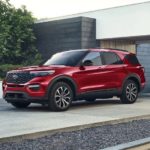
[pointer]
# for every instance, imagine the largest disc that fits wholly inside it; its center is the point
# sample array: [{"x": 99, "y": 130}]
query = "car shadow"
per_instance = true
[
  {"x": 100, "y": 102},
  {"x": 82, "y": 104}
]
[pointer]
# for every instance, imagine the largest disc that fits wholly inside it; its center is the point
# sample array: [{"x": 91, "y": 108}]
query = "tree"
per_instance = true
[{"x": 17, "y": 40}]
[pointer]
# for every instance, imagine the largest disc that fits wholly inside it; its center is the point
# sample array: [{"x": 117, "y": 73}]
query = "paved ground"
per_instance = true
[{"x": 37, "y": 118}]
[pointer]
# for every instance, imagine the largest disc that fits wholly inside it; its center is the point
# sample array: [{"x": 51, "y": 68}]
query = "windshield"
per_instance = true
[{"x": 68, "y": 58}]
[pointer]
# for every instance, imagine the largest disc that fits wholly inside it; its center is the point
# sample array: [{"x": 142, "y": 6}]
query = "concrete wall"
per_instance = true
[
  {"x": 124, "y": 21},
  {"x": 66, "y": 34}
]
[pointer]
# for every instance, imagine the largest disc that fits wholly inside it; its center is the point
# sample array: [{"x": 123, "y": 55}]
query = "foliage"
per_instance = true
[
  {"x": 17, "y": 40},
  {"x": 7, "y": 67}
]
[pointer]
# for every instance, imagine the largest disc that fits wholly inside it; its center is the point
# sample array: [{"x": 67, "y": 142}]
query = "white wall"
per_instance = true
[
  {"x": 0, "y": 89},
  {"x": 124, "y": 21}
]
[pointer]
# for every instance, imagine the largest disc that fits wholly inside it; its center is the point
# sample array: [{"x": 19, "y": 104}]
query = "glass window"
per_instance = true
[
  {"x": 110, "y": 58},
  {"x": 67, "y": 58},
  {"x": 132, "y": 59},
  {"x": 94, "y": 58}
]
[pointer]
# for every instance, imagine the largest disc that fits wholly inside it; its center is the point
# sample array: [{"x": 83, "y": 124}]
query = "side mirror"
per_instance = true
[{"x": 87, "y": 63}]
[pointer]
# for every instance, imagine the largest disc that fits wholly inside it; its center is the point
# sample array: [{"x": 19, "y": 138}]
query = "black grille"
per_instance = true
[{"x": 18, "y": 77}]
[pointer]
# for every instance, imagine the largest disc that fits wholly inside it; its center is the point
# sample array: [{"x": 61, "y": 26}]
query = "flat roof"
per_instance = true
[{"x": 117, "y": 22}]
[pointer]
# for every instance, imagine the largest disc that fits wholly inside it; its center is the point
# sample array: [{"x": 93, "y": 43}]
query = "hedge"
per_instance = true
[{"x": 5, "y": 68}]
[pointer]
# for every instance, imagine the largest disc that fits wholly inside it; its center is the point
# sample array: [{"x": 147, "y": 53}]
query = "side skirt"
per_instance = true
[{"x": 99, "y": 94}]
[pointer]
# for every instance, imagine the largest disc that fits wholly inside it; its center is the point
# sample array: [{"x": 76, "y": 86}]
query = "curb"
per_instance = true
[
  {"x": 69, "y": 129},
  {"x": 133, "y": 144}
]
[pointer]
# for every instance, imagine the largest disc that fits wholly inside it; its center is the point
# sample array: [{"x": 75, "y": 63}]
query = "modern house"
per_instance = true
[{"x": 125, "y": 27}]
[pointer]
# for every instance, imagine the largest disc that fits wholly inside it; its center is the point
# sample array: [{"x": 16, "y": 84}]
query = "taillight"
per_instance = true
[{"x": 141, "y": 67}]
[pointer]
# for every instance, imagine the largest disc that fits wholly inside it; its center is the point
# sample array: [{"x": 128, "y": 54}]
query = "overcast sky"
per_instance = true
[{"x": 55, "y": 8}]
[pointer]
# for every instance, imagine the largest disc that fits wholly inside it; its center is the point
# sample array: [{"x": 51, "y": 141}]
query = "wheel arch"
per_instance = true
[
  {"x": 65, "y": 79},
  {"x": 135, "y": 78}
]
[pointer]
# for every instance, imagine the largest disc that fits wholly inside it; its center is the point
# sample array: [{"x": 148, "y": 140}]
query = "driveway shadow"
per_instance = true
[
  {"x": 82, "y": 104},
  {"x": 100, "y": 102}
]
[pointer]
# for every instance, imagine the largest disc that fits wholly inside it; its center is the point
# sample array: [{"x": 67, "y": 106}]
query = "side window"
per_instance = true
[
  {"x": 110, "y": 58},
  {"x": 92, "y": 59}
]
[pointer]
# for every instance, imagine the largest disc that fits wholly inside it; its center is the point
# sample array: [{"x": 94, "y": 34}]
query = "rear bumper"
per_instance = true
[
  {"x": 142, "y": 86},
  {"x": 11, "y": 96}
]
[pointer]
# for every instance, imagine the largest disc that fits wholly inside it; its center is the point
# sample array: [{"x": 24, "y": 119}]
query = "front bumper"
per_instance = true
[
  {"x": 28, "y": 91},
  {"x": 12, "y": 96}
]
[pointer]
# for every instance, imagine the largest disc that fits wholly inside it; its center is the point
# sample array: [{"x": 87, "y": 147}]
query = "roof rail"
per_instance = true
[{"x": 116, "y": 49}]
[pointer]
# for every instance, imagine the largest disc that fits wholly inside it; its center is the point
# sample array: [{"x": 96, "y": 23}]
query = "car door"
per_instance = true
[
  {"x": 113, "y": 65},
  {"x": 91, "y": 76}
]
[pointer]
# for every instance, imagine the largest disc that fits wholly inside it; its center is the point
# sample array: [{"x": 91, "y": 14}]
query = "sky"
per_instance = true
[{"x": 55, "y": 8}]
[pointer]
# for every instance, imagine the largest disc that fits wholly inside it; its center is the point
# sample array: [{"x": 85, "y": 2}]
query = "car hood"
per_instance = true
[{"x": 40, "y": 68}]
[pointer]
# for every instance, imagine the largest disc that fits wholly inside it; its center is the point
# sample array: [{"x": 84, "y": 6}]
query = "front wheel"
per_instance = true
[
  {"x": 60, "y": 97},
  {"x": 130, "y": 92},
  {"x": 20, "y": 104}
]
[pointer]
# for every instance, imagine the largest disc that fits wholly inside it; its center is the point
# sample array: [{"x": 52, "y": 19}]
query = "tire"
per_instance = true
[
  {"x": 20, "y": 104},
  {"x": 130, "y": 92},
  {"x": 60, "y": 97},
  {"x": 90, "y": 100}
]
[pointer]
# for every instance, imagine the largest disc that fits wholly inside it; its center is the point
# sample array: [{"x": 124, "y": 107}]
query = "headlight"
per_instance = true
[{"x": 41, "y": 73}]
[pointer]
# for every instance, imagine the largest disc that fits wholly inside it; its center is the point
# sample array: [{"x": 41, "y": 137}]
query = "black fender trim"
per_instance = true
[
  {"x": 61, "y": 77},
  {"x": 132, "y": 76}
]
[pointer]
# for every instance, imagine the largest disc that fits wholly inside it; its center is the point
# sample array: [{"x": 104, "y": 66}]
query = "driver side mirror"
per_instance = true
[{"x": 87, "y": 63}]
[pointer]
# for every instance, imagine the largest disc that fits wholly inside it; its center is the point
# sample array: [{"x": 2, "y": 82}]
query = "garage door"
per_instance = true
[{"x": 143, "y": 54}]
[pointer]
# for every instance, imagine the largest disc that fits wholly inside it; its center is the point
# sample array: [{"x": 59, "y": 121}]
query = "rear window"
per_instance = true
[{"x": 132, "y": 59}]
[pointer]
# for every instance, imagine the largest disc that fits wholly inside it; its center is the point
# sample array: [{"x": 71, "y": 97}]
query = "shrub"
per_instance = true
[
  {"x": 17, "y": 39},
  {"x": 5, "y": 68}
]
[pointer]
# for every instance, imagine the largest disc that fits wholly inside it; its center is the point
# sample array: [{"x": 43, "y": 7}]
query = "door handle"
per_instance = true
[{"x": 102, "y": 68}]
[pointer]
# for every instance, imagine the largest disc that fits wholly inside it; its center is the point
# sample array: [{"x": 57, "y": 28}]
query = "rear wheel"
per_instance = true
[
  {"x": 20, "y": 104},
  {"x": 60, "y": 97},
  {"x": 130, "y": 92}
]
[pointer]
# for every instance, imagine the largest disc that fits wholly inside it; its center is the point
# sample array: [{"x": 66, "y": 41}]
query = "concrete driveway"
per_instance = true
[{"x": 36, "y": 118}]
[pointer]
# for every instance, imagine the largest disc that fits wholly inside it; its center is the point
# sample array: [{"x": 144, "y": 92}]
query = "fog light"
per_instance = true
[{"x": 34, "y": 87}]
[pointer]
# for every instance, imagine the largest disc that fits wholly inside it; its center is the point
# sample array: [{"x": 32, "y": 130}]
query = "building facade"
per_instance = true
[{"x": 126, "y": 27}]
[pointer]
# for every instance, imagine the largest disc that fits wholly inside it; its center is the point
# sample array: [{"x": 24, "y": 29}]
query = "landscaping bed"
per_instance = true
[{"x": 86, "y": 139}]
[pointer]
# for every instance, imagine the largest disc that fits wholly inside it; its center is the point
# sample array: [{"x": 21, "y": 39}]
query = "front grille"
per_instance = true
[{"x": 18, "y": 77}]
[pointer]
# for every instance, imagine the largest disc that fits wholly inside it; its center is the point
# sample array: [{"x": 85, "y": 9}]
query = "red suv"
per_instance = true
[{"x": 84, "y": 74}]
